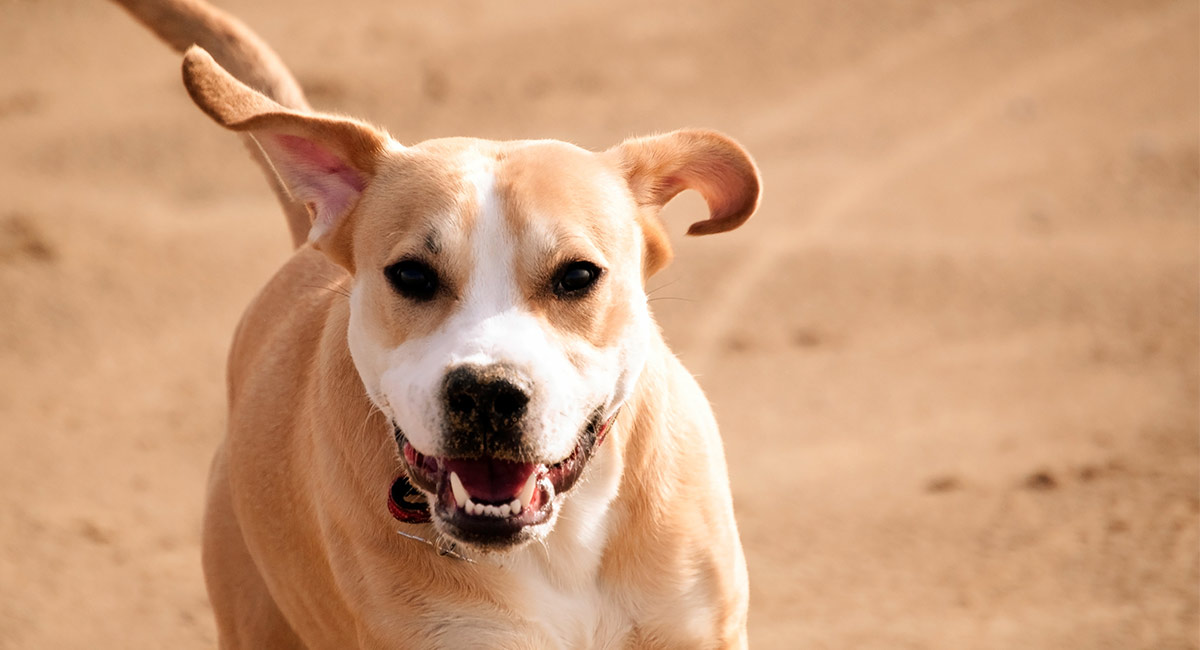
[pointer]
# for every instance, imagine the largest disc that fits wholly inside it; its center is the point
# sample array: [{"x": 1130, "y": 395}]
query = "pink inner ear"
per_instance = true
[
  {"x": 730, "y": 197},
  {"x": 324, "y": 160},
  {"x": 722, "y": 189},
  {"x": 316, "y": 176}
]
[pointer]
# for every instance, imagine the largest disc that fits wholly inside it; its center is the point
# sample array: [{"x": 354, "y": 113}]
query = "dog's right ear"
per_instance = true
[{"x": 324, "y": 161}]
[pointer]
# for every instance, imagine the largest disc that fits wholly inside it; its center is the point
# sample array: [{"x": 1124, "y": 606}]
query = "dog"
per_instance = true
[{"x": 453, "y": 422}]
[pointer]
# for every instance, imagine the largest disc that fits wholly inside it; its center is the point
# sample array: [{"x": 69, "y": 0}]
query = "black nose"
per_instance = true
[{"x": 484, "y": 400}]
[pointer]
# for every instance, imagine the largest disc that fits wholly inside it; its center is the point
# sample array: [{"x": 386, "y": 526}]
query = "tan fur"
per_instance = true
[{"x": 299, "y": 547}]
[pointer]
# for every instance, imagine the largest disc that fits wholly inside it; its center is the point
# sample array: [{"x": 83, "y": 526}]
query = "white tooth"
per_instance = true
[
  {"x": 469, "y": 506},
  {"x": 491, "y": 511},
  {"x": 515, "y": 506},
  {"x": 527, "y": 492},
  {"x": 460, "y": 492},
  {"x": 504, "y": 510}
]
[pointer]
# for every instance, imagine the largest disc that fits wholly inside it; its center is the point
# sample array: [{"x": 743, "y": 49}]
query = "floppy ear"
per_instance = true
[
  {"x": 659, "y": 167},
  {"x": 324, "y": 161}
]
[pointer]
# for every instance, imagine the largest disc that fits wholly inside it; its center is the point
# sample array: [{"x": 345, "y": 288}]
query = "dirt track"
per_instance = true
[{"x": 955, "y": 357}]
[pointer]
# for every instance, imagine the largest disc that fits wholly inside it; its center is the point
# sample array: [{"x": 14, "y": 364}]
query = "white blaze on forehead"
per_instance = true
[
  {"x": 495, "y": 325},
  {"x": 491, "y": 291}
]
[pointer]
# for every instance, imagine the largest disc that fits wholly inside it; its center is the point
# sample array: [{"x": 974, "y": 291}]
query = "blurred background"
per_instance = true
[{"x": 954, "y": 357}]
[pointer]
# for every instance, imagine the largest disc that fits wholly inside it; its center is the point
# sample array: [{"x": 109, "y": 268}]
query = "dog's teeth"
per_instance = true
[
  {"x": 527, "y": 492},
  {"x": 460, "y": 492},
  {"x": 488, "y": 510}
]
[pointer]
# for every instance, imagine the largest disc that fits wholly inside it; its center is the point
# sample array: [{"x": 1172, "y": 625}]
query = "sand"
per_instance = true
[{"x": 954, "y": 357}]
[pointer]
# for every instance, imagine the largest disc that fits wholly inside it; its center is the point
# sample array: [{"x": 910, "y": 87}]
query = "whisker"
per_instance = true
[
  {"x": 664, "y": 286},
  {"x": 336, "y": 283},
  {"x": 335, "y": 289}
]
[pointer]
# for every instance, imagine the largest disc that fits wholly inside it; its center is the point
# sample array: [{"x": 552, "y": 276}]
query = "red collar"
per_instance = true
[{"x": 408, "y": 505}]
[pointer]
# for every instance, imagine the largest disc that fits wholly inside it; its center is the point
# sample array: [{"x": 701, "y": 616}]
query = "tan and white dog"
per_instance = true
[{"x": 496, "y": 348}]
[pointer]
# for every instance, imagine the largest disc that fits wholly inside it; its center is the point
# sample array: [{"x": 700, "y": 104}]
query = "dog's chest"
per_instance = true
[
  {"x": 558, "y": 582},
  {"x": 579, "y": 615}
]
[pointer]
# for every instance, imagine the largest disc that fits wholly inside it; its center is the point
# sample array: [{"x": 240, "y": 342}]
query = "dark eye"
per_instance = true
[
  {"x": 574, "y": 279},
  {"x": 413, "y": 279}
]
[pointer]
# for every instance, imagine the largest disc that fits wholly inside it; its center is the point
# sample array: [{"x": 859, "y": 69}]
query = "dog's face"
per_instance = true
[
  {"x": 498, "y": 318},
  {"x": 497, "y": 314}
]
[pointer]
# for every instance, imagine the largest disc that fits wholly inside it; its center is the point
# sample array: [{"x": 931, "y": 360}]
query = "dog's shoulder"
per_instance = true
[{"x": 286, "y": 320}]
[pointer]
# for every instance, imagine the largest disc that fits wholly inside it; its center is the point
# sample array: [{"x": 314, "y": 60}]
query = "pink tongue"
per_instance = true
[{"x": 491, "y": 480}]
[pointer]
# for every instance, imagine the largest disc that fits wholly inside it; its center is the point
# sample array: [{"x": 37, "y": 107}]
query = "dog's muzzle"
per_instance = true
[{"x": 488, "y": 487}]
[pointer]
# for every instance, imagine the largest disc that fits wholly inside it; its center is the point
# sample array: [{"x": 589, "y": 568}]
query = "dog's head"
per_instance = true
[{"x": 497, "y": 312}]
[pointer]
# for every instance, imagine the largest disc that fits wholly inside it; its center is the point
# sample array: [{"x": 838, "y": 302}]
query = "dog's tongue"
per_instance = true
[{"x": 491, "y": 480}]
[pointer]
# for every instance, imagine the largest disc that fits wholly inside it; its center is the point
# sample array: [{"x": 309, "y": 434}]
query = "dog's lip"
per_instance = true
[{"x": 432, "y": 475}]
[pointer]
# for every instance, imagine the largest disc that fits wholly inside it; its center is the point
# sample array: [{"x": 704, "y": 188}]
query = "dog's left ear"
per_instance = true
[
  {"x": 324, "y": 161},
  {"x": 659, "y": 167}
]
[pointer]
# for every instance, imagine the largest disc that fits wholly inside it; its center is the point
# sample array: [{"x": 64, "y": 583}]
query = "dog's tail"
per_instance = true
[{"x": 183, "y": 23}]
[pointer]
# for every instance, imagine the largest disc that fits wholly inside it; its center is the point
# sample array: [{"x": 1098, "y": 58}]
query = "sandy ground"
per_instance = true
[{"x": 954, "y": 357}]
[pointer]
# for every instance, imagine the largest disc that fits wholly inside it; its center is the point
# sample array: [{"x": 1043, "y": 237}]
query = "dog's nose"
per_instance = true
[{"x": 484, "y": 400}]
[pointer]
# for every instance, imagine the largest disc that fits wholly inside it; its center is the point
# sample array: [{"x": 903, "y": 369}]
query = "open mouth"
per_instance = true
[{"x": 492, "y": 502}]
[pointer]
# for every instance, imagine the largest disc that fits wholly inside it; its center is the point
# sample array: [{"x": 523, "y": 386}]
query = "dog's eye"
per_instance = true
[
  {"x": 413, "y": 279},
  {"x": 575, "y": 279}
]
